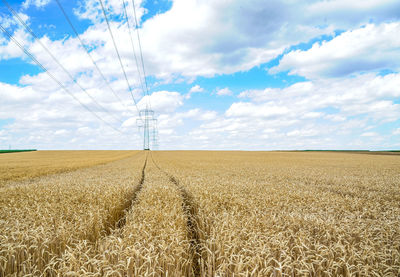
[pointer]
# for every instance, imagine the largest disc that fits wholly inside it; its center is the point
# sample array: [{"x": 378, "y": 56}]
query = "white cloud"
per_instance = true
[
  {"x": 204, "y": 38},
  {"x": 267, "y": 110},
  {"x": 61, "y": 132},
  {"x": 335, "y": 117},
  {"x": 37, "y": 3},
  {"x": 344, "y": 12},
  {"x": 312, "y": 115},
  {"x": 14, "y": 95},
  {"x": 194, "y": 89},
  {"x": 41, "y": 108},
  {"x": 199, "y": 114},
  {"x": 208, "y": 115},
  {"x": 366, "y": 94},
  {"x": 195, "y": 49},
  {"x": 241, "y": 37},
  {"x": 91, "y": 10},
  {"x": 373, "y": 47},
  {"x": 9, "y": 50},
  {"x": 324, "y": 114},
  {"x": 166, "y": 132},
  {"x": 369, "y": 134},
  {"x": 173, "y": 120},
  {"x": 162, "y": 101},
  {"x": 224, "y": 91},
  {"x": 302, "y": 133},
  {"x": 396, "y": 131}
]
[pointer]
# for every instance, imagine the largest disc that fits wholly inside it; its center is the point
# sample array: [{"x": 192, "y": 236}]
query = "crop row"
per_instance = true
[
  {"x": 273, "y": 214},
  {"x": 15, "y": 167},
  {"x": 208, "y": 214},
  {"x": 154, "y": 241},
  {"x": 40, "y": 220}
]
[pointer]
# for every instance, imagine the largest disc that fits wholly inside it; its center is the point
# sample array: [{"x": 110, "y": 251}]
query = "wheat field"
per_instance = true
[
  {"x": 28, "y": 165},
  {"x": 206, "y": 213}
]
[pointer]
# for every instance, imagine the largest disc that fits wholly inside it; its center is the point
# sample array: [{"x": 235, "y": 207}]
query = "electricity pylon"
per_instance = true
[
  {"x": 149, "y": 125},
  {"x": 154, "y": 135}
]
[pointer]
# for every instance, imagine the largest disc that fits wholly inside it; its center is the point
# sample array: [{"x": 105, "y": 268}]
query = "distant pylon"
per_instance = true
[
  {"x": 149, "y": 125},
  {"x": 154, "y": 135}
]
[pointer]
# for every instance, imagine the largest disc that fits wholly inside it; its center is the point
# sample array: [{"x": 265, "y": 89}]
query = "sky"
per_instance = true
[{"x": 221, "y": 75}]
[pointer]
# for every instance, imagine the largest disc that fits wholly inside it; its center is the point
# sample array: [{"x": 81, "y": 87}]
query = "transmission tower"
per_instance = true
[
  {"x": 150, "y": 130},
  {"x": 154, "y": 135}
]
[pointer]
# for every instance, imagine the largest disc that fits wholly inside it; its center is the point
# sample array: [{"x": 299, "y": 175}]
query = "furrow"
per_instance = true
[
  {"x": 122, "y": 220},
  {"x": 189, "y": 209},
  {"x": 151, "y": 240},
  {"x": 54, "y": 213}
]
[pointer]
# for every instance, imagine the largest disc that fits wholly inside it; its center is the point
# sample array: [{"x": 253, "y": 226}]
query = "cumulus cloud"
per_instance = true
[
  {"x": 372, "y": 47},
  {"x": 369, "y": 134},
  {"x": 347, "y": 13},
  {"x": 170, "y": 124},
  {"x": 224, "y": 91},
  {"x": 199, "y": 114},
  {"x": 8, "y": 50},
  {"x": 40, "y": 108},
  {"x": 91, "y": 10},
  {"x": 162, "y": 101},
  {"x": 396, "y": 131},
  {"x": 180, "y": 41},
  {"x": 302, "y": 133},
  {"x": 363, "y": 94},
  {"x": 208, "y": 38},
  {"x": 267, "y": 110},
  {"x": 194, "y": 89},
  {"x": 37, "y": 3},
  {"x": 323, "y": 113}
]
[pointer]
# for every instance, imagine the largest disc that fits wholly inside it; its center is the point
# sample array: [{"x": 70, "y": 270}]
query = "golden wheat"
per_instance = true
[
  {"x": 314, "y": 214},
  {"x": 28, "y": 165},
  {"x": 194, "y": 213},
  {"x": 40, "y": 219},
  {"x": 153, "y": 241}
]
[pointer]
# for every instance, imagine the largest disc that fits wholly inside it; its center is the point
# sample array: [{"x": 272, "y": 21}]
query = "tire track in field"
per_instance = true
[
  {"x": 121, "y": 221},
  {"x": 189, "y": 209},
  {"x": 53, "y": 259}
]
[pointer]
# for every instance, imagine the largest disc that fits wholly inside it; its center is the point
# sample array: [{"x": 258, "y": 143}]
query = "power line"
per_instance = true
[
  {"x": 119, "y": 57},
  {"x": 133, "y": 47},
  {"x": 87, "y": 51},
  {"x": 141, "y": 52},
  {"x": 148, "y": 108},
  {"x": 55, "y": 59},
  {"x": 55, "y": 79}
]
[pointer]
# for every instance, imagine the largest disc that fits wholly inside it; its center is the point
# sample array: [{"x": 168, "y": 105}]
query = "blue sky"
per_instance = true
[{"x": 245, "y": 75}]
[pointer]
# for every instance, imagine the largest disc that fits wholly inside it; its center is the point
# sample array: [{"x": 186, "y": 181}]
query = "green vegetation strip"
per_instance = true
[{"x": 15, "y": 150}]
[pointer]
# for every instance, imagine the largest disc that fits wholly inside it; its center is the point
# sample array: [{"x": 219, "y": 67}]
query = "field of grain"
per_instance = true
[
  {"x": 205, "y": 213},
  {"x": 28, "y": 165},
  {"x": 41, "y": 219},
  {"x": 293, "y": 214}
]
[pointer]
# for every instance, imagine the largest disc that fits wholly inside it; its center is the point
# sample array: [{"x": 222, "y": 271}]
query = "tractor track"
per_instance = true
[
  {"x": 122, "y": 220},
  {"x": 189, "y": 209}
]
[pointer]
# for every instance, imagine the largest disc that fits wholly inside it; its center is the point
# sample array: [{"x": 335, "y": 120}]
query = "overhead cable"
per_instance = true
[
  {"x": 88, "y": 52},
  {"x": 55, "y": 59},
  {"x": 32, "y": 57},
  {"x": 133, "y": 48},
  {"x": 141, "y": 56},
  {"x": 119, "y": 57},
  {"x": 141, "y": 52}
]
